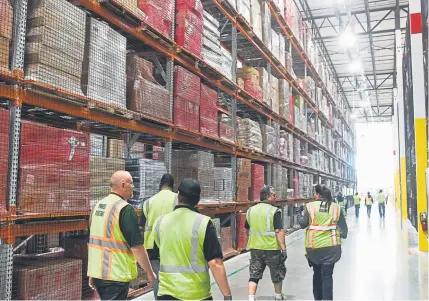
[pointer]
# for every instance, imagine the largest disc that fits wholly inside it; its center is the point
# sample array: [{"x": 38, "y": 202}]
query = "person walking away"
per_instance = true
[
  {"x": 340, "y": 201},
  {"x": 326, "y": 226},
  {"x": 188, "y": 248},
  {"x": 368, "y": 203},
  {"x": 266, "y": 243},
  {"x": 115, "y": 242},
  {"x": 381, "y": 199},
  {"x": 356, "y": 201},
  {"x": 161, "y": 203}
]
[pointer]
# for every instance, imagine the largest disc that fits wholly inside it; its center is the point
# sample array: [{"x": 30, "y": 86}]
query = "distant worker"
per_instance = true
[
  {"x": 326, "y": 226},
  {"x": 161, "y": 203},
  {"x": 356, "y": 201},
  {"x": 266, "y": 243},
  {"x": 340, "y": 201},
  {"x": 381, "y": 199},
  {"x": 115, "y": 242},
  {"x": 368, "y": 203},
  {"x": 188, "y": 248}
]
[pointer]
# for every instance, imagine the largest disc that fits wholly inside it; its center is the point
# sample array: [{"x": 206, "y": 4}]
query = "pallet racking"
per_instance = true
[{"x": 37, "y": 101}]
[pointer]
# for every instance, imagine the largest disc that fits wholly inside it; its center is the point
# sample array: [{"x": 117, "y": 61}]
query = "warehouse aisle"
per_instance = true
[{"x": 375, "y": 265}]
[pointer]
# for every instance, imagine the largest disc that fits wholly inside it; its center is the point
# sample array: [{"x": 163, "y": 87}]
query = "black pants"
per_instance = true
[
  {"x": 382, "y": 209},
  {"x": 357, "y": 207},
  {"x": 109, "y": 290},
  {"x": 323, "y": 286}
]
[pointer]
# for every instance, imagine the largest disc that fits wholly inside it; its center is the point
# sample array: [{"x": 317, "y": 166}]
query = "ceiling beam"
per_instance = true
[
  {"x": 356, "y": 12},
  {"x": 362, "y": 34}
]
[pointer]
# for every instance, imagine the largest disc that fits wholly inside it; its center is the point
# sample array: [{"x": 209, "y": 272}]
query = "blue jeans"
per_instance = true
[
  {"x": 357, "y": 207},
  {"x": 368, "y": 210},
  {"x": 382, "y": 209}
]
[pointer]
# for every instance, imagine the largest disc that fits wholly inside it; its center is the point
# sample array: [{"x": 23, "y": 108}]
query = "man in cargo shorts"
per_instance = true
[{"x": 266, "y": 243}]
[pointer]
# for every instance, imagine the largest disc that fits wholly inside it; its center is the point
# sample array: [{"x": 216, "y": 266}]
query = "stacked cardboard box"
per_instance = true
[
  {"x": 146, "y": 175},
  {"x": 187, "y": 93},
  {"x": 243, "y": 9},
  {"x": 6, "y": 15},
  {"x": 55, "y": 44},
  {"x": 226, "y": 131},
  {"x": 256, "y": 17},
  {"x": 265, "y": 85},
  {"x": 159, "y": 15},
  {"x": 4, "y": 153},
  {"x": 98, "y": 145},
  {"x": 144, "y": 94},
  {"x": 284, "y": 98},
  {"x": 257, "y": 181},
  {"x": 101, "y": 170},
  {"x": 198, "y": 165},
  {"x": 223, "y": 184},
  {"x": 226, "y": 63},
  {"x": 189, "y": 22},
  {"x": 244, "y": 179},
  {"x": 212, "y": 49},
  {"x": 54, "y": 279},
  {"x": 115, "y": 148},
  {"x": 54, "y": 171},
  {"x": 249, "y": 134},
  {"x": 208, "y": 111},
  {"x": 251, "y": 80},
  {"x": 241, "y": 232},
  {"x": 104, "y": 76}
]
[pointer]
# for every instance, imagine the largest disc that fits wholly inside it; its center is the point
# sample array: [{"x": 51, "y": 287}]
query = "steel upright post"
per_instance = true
[
  {"x": 234, "y": 111},
  {"x": 419, "y": 101}
]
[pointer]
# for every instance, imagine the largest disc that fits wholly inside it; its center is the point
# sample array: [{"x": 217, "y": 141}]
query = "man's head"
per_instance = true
[
  {"x": 189, "y": 192},
  {"x": 381, "y": 190},
  {"x": 356, "y": 193},
  {"x": 326, "y": 194},
  {"x": 267, "y": 194},
  {"x": 369, "y": 193},
  {"x": 167, "y": 182},
  {"x": 317, "y": 191},
  {"x": 121, "y": 183}
]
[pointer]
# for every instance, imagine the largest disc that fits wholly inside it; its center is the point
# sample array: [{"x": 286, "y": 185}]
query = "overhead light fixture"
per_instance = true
[
  {"x": 355, "y": 67},
  {"x": 347, "y": 38}
]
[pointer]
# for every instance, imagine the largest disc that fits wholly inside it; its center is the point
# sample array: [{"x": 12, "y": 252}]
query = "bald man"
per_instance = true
[{"x": 115, "y": 242}]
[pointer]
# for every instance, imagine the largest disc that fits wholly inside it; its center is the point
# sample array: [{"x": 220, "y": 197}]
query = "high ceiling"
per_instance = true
[{"x": 368, "y": 88}]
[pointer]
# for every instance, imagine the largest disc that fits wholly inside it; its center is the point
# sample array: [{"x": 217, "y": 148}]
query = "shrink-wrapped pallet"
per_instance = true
[
  {"x": 270, "y": 140},
  {"x": 266, "y": 24},
  {"x": 195, "y": 164},
  {"x": 211, "y": 51},
  {"x": 243, "y": 9},
  {"x": 226, "y": 63},
  {"x": 208, "y": 111},
  {"x": 249, "y": 134},
  {"x": 223, "y": 184},
  {"x": 189, "y": 22},
  {"x": 55, "y": 44},
  {"x": 241, "y": 232},
  {"x": 265, "y": 85},
  {"x": 275, "y": 44},
  {"x": 159, "y": 14},
  {"x": 144, "y": 94},
  {"x": 275, "y": 103},
  {"x": 104, "y": 76},
  {"x": 256, "y": 17},
  {"x": 244, "y": 179},
  {"x": 226, "y": 131},
  {"x": 284, "y": 98},
  {"x": 257, "y": 181}
]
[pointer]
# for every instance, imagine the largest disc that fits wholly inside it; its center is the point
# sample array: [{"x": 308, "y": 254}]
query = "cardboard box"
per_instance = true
[{"x": 249, "y": 73}]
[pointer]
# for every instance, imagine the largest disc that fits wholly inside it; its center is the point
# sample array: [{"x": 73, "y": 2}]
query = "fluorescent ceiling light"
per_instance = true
[
  {"x": 347, "y": 38},
  {"x": 355, "y": 67}
]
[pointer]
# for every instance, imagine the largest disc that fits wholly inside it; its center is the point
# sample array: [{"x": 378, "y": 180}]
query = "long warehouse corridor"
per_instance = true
[{"x": 379, "y": 262}]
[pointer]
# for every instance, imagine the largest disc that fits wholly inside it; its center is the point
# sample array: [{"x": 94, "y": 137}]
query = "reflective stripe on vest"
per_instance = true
[
  {"x": 262, "y": 235},
  {"x": 322, "y": 230},
  {"x": 158, "y": 205},
  {"x": 109, "y": 255}
]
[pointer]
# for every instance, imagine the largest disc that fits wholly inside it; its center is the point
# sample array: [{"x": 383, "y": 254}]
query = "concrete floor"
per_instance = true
[{"x": 379, "y": 262}]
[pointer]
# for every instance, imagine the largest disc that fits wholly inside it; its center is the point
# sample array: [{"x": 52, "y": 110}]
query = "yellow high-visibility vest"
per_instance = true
[
  {"x": 262, "y": 235},
  {"x": 109, "y": 255}
]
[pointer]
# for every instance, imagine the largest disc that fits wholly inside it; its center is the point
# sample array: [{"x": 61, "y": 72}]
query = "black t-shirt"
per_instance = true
[
  {"x": 212, "y": 248},
  {"x": 277, "y": 222}
]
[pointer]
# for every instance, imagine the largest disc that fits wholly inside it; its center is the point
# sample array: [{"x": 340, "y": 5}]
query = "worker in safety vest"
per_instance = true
[
  {"x": 188, "y": 248},
  {"x": 368, "y": 203},
  {"x": 381, "y": 199},
  {"x": 115, "y": 242},
  {"x": 266, "y": 243},
  {"x": 356, "y": 201},
  {"x": 161, "y": 203},
  {"x": 326, "y": 226}
]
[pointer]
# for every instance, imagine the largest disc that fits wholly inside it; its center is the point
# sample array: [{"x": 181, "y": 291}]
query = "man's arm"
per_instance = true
[
  {"x": 343, "y": 225},
  {"x": 213, "y": 255},
  {"x": 280, "y": 232},
  {"x": 140, "y": 254}
]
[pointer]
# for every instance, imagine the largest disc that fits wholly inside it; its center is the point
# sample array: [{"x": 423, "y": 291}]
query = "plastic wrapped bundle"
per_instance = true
[
  {"x": 284, "y": 98},
  {"x": 265, "y": 85},
  {"x": 186, "y": 85},
  {"x": 284, "y": 183},
  {"x": 144, "y": 94},
  {"x": 297, "y": 150},
  {"x": 275, "y": 44},
  {"x": 208, "y": 111},
  {"x": 276, "y": 179},
  {"x": 159, "y": 14},
  {"x": 49, "y": 59},
  {"x": 275, "y": 104},
  {"x": 146, "y": 175},
  {"x": 256, "y": 17},
  {"x": 195, "y": 164},
  {"x": 186, "y": 114},
  {"x": 105, "y": 64},
  {"x": 223, "y": 184},
  {"x": 253, "y": 89},
  {"x": 189, "y": 21},
  {"x": 257, "y": 181},
  {"x": 266, "y": 24},
  {"x": 282, "y": 50},
  {"x": 211, "y": 51},
  {"x": 244, "y": 179},
  {"x": 226, "y": 63},
  {"x": 243, "y": 9},
  {"x": 249, "y": 134},
  {"x": 271, "y": 139},
  {"x": 226, "y": 131},
  {"x": 283, "y": 145}
]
